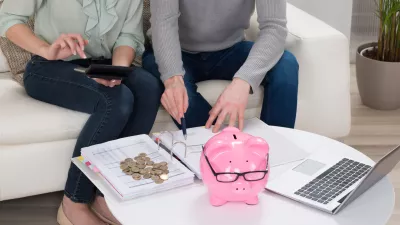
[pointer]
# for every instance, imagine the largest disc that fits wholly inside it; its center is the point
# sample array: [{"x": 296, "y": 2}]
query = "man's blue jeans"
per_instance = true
[{"x": 280, "y": 84}]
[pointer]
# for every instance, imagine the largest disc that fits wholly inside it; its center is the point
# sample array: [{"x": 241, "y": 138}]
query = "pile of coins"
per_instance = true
[{"x": 141, "y": 167}]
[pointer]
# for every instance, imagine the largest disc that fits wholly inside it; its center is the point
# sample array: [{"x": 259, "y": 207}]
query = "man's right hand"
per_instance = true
[
  {"x": 175, "y": 99},
  {"x": 65, "y": 46}
]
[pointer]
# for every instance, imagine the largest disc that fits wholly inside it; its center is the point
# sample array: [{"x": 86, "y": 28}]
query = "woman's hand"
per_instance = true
[
  {"x": 108, "y": 83},
  {"x": 65, "y": 46}
]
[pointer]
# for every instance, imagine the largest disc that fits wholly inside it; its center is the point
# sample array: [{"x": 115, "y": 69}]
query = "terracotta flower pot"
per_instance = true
[{"x": 378, "y": 82}]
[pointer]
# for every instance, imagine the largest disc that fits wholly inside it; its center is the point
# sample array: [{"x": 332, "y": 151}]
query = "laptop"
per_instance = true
[{"x": 328, "y": 182}]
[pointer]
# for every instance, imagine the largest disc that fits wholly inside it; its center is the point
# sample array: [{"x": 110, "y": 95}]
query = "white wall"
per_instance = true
[{"x": 336, "y": 13}]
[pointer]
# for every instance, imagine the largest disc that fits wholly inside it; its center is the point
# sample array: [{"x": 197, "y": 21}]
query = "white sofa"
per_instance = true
[{"x": 37, "y": 139}]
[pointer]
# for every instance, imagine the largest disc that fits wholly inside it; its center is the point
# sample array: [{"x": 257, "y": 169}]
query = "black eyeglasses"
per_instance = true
[{"x": 229, "y": 177}]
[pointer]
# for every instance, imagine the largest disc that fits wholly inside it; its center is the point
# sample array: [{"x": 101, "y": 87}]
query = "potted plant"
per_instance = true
[{"x": 378, "y": 63}]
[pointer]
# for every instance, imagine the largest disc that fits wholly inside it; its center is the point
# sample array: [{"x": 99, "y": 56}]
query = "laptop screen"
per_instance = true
[{"x": 380, "y": 170}]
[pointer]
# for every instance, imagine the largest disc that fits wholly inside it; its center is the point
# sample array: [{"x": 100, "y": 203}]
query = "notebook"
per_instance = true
[
  {"x": 104, "y": 159},
  {"x": 282, "y": 150}
]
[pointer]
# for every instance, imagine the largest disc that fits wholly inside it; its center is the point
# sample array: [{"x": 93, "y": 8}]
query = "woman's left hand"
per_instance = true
[{"x": 108, "y": 83}]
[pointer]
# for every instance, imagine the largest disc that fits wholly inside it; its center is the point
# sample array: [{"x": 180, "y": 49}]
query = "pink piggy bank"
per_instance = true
[{"x": 234, "y": 166}]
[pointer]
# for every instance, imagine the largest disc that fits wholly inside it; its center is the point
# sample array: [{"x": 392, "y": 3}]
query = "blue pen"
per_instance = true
[{"x": 183, "y": 122}]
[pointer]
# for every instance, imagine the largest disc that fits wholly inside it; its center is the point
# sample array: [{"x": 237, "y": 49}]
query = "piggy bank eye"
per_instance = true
[
  {"x": 247, "y": 160},
  {"x": 230, "y": 161}
]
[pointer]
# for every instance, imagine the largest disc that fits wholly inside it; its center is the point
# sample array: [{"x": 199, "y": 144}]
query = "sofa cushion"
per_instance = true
[{"x": 26, "y": 120}]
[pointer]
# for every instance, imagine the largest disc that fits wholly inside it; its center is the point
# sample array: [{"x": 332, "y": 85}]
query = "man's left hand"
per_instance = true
[{"x": 232, "y": 102}]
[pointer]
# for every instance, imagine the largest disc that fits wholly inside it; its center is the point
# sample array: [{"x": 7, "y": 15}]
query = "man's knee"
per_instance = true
[
  {"x": 286, "y": 71},
  {"x": 149, "y": 63}
]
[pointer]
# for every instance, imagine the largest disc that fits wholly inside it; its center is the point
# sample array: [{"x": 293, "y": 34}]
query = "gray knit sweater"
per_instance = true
[{"x": 211, "y": 25}]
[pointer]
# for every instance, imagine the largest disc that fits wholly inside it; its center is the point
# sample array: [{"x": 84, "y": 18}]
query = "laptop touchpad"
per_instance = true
[{"x": 309, "y": 167}]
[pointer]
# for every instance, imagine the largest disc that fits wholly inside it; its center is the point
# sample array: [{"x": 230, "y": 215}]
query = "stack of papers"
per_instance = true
[
  {"x": 281, "y": 151},
  {"x": 106, "y": 158}
]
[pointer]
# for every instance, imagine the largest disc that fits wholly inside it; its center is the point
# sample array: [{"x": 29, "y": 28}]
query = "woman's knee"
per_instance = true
[
  {"x": 145, "y": 85},
  {"x": 119, "y": 101}
]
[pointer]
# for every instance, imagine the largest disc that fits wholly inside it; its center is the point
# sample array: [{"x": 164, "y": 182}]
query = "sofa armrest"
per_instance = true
[{"x": 324, "y": 77}]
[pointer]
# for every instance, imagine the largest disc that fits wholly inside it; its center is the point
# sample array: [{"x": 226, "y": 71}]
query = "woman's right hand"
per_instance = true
[{"x": 65, "y": 46}]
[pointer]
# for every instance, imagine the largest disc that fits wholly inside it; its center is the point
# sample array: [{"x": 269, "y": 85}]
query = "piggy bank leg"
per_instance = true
[
  {"x": 215, "y": 201},
  {"x": 252, "y": 201}
]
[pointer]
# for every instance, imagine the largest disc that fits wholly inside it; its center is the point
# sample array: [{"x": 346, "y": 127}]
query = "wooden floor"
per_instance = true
[{"x": 373, "y": 132}]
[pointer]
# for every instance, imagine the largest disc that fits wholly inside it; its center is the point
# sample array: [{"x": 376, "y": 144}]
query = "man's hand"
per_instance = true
[
  {"x": 175, "y": 98},
  {"x": 232, "y": 102}
]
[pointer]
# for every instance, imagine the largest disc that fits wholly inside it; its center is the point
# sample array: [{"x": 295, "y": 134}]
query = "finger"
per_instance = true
[
  {"x": 179, "y": 96},
  {"x": 241, "y": 119},
  {"x": 213, "y": 115},
  {"x": 185, "y": 101},
  {"x": 220, "y": 120},
  {"x": 71, "y": 44},
  {"x": 116, "y": 82},
  {"x": 172, "y": 106},
  {"x": 62, "y": 43},
  {"x": 81, "y": 53},
  {"x": 232, "y": 118},
  {"x": 80, "y": 40},
  {"x": 164, "y": 102},
  {"x": 101, "y": 81}
]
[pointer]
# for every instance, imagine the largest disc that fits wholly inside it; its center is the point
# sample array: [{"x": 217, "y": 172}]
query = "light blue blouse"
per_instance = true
[{"x": 107, "y": 24}]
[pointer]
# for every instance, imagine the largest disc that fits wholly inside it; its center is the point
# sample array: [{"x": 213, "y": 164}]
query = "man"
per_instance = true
[{"x": 194, "y": 41}]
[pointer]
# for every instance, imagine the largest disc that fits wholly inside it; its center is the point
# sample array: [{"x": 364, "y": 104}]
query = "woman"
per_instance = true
[{"x": 75, "y": 33}]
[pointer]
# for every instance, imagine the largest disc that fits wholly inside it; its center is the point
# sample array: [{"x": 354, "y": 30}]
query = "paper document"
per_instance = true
[
  {"x": 107, "y": 157},
  {"x": 282, "y": 150}
]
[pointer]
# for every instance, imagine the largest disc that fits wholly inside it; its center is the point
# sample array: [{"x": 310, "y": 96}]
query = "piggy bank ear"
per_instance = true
[
  {"x": 258, "y": 145},
  {"x": 214, "y": 148}
]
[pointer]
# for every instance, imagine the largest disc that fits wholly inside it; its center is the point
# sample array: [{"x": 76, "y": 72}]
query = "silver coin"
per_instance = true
[
  {"x": 142, "y": 154},
  {"x": 147, "y": 159},
  {"x": 150, "y": 163},
  {"x": 130, "y": 172},
  {"x": 166, "y": 171},
  {"x": 138, "y": 158},
  {"x": 156, "y": 166},
  {"x": 163, "y": 163},
  {"x": 142, "y": 171},
  {"x": 158, "y": 172},
  {"x": 131, "y": 164},
  {"x": 147, "y": 176},
  {"x": 141, "y": 166},
  {"x": 155, "y": 177}
]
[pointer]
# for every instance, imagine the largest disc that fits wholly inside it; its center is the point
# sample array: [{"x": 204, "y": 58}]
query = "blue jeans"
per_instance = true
[
  {"x": 280, "y": 83},
  {"x": 124, "y": 110}
]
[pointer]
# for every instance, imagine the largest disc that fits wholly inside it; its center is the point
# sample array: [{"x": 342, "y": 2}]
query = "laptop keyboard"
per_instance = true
[{"x": 334, "y": 181}]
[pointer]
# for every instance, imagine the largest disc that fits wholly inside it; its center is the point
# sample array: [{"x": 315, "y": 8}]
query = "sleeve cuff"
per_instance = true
[
  {"x": 166, "y": 76},
  {"x": 5, "y": 25},
  {"x": 129, "y": 40},
  {"x": 254, "y": 84}
]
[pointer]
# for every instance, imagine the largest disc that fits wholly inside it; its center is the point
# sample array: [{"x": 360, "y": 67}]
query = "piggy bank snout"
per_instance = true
[{"x": 241, "y": 187}]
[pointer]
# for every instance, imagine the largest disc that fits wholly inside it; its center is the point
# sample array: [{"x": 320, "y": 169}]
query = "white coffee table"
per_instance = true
[{"x": 190, "y": 206}]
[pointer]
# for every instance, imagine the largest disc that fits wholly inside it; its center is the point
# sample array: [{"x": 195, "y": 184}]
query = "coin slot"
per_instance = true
[{"x": 234, "y": 136}]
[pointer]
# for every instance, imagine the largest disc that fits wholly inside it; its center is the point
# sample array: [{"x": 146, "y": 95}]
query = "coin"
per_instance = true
[
  {"x": 159, "y": 181},
  {"x": 158, "y": 172},
  {"x": 129, "y": 160},
  {"x": 123, "y": 166},
  {"x": 130, "y": 172},
  {"x": 163, "y": 167},
  {"x": 166, "y": 171},
  {"x": 163, "y": 163},
  {"x": 147, "y": 176},
  {"x": 146, "y": 159},
  {"x": 140, "y": 162},
  {"x": 155, "y": 177},
  {"x": 136, "y": 176},
  {"x": 156, "y": 166},
  {"x": 142, "y": 171},
  {"x": 148, "y": 169},
  {"x": 137, "y": 158},
  {"x": 150, "y": 163},
  {"x": 131, "y": 164},
  {"x": 135, "y": 169},
  {"x": 142, "y": 154},
  {"x": 164, "y": 176},
  {"x": 127, "y": 170},
  {"x": 141, "y": 166}
]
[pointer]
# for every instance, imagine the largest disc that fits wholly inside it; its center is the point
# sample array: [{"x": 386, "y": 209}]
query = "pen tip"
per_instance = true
[{"x": 185, "y": 136}]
